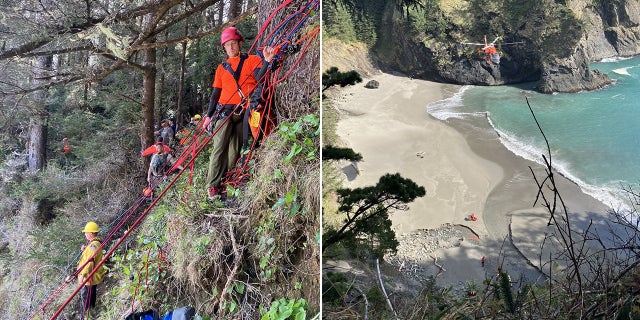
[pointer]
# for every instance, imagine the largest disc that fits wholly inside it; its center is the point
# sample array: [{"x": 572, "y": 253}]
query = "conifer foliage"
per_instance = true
[
  {"x": 367, "y": 210},
  {"x": 334, "y": 77}
]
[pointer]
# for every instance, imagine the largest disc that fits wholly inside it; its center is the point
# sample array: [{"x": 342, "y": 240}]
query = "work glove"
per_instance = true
[{"x": 206, "y": 123}]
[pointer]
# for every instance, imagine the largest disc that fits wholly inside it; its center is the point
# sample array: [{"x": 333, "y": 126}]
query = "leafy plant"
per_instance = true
[
  {"x": 286, "y": 309},
  {"x": 266, "y": 248},
  {"x": 301, "y": 137},
  {"x": 289, "y": 202},
  {"x": 143, "y": 264}
]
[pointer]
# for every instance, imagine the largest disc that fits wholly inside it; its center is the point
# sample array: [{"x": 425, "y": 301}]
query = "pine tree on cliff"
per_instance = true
[
  {"x": 367, "y": 210},
  {"x": 332, "y": 77},
  {"x": 335, "y": 153}
]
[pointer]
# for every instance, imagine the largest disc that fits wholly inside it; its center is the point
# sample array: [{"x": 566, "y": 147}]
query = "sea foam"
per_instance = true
[
  {"x": 446, "y": 108},
  {"x": 624, "y": 71},
  {"x": 615, "y": 59},
  {"x": 609, "y": 195}
]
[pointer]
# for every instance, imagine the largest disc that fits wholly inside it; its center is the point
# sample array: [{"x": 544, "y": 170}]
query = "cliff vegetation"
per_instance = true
[{"x": 556, "y": 39}]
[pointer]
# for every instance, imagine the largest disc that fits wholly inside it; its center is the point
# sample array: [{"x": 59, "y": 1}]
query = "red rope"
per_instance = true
[
  {"x": 287, "y": 20},
  {"x": 313, "y": 34},
  {"x": 130, "y": 211},
  {"x": 199, "y": 149},
  {"x": 237, "y": 176},
  {"x": 268, "y": 21},
  {"x": 146, "y": 267}
]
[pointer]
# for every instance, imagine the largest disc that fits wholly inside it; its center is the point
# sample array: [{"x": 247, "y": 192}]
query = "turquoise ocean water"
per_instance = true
[{"x": 594, "y": 136}]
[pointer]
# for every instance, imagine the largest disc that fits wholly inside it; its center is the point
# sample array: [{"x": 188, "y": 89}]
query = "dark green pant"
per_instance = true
[
  {"x": 227, "y": 143},
  {"x": 88, "y": 298}
]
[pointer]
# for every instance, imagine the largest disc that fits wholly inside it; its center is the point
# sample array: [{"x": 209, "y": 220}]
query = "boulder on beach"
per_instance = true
[{"x": 372, "y": 84}]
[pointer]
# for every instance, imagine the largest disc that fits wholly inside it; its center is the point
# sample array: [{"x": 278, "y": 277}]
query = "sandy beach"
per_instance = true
[{"x": 464, "y": 169}]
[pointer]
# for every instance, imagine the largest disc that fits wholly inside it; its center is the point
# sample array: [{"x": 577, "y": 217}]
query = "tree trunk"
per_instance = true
[
  {"x": 235, "y": 9},
  {"x": 220, "y": 17},
  {"x": 148, "y": 93},
  {"x": 161, "y": 110},
  {"x": 38, "y": 123},
  {"x": 180, "y": 109},
  {"x": 37, "y": 143}
]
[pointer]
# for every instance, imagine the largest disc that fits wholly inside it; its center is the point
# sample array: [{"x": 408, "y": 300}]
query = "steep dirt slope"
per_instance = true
[{"x": 347, "y": 56}]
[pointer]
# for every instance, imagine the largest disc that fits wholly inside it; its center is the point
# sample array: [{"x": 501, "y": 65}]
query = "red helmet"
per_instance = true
[{"x": 230, "y": 33}]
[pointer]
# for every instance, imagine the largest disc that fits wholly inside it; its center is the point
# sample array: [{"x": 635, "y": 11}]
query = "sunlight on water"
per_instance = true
[{"x": 594, "y": 136}]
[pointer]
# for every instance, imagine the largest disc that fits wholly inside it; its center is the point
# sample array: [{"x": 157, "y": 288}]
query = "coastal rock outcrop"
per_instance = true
[
  {"x": 571, "y": 74},
  {"x": 557, "y": 40}
]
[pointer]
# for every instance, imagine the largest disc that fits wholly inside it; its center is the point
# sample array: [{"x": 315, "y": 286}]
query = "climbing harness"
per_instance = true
[{"x": 236, "y": 73}]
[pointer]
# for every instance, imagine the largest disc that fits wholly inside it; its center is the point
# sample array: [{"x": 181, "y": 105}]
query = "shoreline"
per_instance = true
[{"x": 464, "y": 168}]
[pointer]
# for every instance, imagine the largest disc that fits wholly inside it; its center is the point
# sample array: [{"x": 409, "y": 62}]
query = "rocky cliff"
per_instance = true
[
  {"x": 424, "y": 39},
  {"x": 611, "y": 28}
]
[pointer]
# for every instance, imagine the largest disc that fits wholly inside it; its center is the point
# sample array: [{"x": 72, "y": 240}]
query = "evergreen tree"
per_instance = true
[
  {"x": 333, "y": 77},
  {"x": 335, "y": 153},
  {"x": 337, "y": 22},
  {"x": 367, "y": 212}
]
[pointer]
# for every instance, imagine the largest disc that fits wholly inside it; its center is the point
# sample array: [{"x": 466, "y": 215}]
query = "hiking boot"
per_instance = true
[{"x": 213, "y": 192}]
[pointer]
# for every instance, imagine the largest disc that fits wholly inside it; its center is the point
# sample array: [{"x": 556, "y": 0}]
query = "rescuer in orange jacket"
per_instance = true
[{"x": 235, "y": 79}]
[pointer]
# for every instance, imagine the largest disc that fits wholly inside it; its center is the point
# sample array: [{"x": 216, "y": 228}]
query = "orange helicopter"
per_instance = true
[{"x": 489, "y": 49}]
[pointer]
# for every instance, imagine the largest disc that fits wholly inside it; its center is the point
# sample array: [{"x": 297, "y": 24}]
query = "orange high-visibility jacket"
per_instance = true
[{"x": 247, "y": 81}]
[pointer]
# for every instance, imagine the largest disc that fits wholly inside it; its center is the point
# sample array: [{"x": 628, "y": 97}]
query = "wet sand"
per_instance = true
[{"x": 464, "y": 169}]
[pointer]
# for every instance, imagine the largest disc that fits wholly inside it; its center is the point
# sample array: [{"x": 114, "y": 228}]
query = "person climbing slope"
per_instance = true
[
  {"x": 166, "y": 132},
  {"x": 235, "y": 79},
  {"x": 91, "y": 255},
  {"x": 66, "y": 148},
  {"x": 160, "y": 159},
  {"x": 184, "y": 135},
  {"x": 67, "y": 156}
]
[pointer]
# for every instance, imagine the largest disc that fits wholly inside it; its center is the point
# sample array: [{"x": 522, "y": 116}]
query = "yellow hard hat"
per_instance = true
[
  {"x": 91, "y": 227},
  {"x": 197, "y": 117}
]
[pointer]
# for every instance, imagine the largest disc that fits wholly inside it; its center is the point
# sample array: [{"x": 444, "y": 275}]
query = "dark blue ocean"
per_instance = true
[{"x": 594, "y": 136}]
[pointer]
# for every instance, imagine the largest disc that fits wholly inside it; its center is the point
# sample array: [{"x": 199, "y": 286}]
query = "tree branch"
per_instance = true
[
  {"x": 383, "y": 289},
  {"x": 191, "y": 37}
]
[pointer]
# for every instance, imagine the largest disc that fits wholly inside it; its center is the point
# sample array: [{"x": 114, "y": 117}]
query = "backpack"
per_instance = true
[
  {"x": 158, "y": 162},
  {"x": 143, "y": 315},
  {"x": 184, "y": 313}
]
